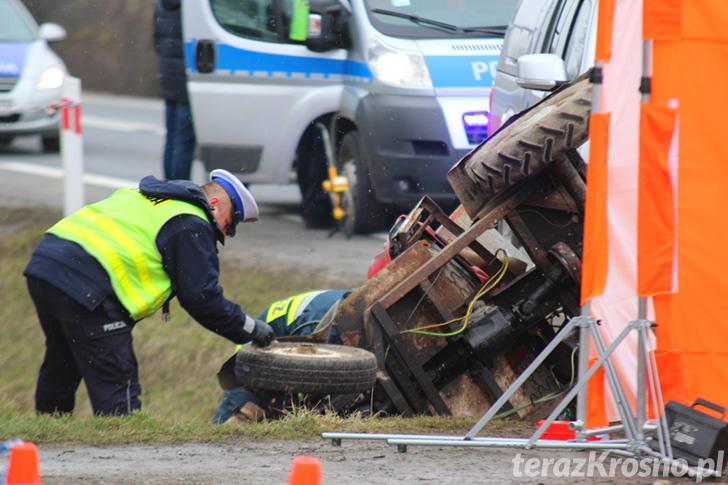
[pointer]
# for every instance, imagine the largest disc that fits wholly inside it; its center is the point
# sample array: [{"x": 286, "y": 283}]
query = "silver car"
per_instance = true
[
  {"x": 549, "y": 41},
  {"x": 31, "y": 76}
]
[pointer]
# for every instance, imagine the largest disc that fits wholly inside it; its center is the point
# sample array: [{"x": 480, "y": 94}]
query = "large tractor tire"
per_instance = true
[
  {"x": 306, "y": 367},
  {"x": 524, "y": 146}
]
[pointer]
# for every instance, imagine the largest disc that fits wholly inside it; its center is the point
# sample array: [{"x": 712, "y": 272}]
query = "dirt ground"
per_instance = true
[{"x": 269, "y": 462}]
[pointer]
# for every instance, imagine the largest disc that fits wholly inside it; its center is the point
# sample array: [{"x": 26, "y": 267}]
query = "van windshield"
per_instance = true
[
  {"x": 13, "y": 26},
  {"x": 441, "y": 18}
]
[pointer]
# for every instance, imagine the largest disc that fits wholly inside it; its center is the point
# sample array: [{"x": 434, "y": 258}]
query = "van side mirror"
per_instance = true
[
  {"x": 51, "y": 32},
  {"x": 541, "y": 72},
  {"x": 328, "y": 26}
]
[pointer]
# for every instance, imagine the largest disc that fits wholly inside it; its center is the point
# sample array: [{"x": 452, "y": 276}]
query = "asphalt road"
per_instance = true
[{"x": 123, "y": 139}]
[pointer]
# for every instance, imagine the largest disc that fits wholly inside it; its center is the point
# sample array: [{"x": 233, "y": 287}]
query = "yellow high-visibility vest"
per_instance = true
[
  {"x": 121, "y": 232},
  {"x": 289, "y": 307}
]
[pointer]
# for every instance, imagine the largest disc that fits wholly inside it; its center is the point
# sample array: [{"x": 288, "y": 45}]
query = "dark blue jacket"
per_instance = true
[
  {"x": 188, "y": 246},
  {"x": 169, "y": 45}
]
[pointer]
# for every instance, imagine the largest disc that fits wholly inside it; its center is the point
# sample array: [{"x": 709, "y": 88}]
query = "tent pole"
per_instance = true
[
  {"x": 642, "y": 301},
  {"x": 580, "y": 424},
  {"x": 641, "y": 356}
]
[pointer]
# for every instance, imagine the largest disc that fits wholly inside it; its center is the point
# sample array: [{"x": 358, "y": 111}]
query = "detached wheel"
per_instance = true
[
  {"x": 364, "y": 213},
  {"x": 51, "y": 144},
  {"x": 306, "y": 367}
]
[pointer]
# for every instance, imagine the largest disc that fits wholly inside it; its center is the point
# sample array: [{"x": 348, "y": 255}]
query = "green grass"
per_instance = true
[
  {"x": 145, "y": 427},
  {"x": 178, "y": 361}
]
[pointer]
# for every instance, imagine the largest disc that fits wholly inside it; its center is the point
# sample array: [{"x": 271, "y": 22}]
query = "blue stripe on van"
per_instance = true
[
  {"x": 12, "y": 58},
  {"x": 461, "y": 71},
  {"x": 234, "y": 59}
]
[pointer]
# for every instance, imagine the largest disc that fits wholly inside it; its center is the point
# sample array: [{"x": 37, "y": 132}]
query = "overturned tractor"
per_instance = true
[{"x": 470, "y": 298}]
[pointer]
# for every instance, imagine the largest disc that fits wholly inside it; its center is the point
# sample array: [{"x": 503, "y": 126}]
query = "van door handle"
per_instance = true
[{"x": 205, "y": 56}]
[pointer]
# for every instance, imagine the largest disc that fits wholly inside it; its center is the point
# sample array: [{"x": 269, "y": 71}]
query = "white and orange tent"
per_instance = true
[{"x": 657, "y": 188}]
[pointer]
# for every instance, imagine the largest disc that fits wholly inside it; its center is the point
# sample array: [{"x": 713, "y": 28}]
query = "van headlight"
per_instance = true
[
  {"x": 398, "y": 67},
  {"x": 51, "y": 78}
]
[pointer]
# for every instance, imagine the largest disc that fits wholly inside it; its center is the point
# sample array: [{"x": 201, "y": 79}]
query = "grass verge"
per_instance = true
[
  {"x": 178, "y": 361},
  {"x": 145, "y": 427}
]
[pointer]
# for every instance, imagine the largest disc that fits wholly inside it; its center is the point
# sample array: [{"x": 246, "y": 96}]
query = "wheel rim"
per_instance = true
[{"x": 304, "y": 350}]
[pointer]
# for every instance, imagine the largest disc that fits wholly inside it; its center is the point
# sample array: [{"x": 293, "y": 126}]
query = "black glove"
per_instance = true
[{"x": 262, "y": 334}]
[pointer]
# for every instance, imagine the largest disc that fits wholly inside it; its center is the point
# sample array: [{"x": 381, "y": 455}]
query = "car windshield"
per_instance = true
[
  {"x": 13, "y": 25},
  {"x": 441, "y": 18}
]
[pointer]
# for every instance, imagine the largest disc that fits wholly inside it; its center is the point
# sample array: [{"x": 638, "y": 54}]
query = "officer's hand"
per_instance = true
[{"x": 262, "y": 334}]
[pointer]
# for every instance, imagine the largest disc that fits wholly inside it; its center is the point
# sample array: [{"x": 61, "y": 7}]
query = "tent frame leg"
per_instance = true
[{"x": 635, "y": 426}]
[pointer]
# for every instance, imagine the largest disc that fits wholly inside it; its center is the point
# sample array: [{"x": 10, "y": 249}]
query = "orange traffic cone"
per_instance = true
[
  {"x": 23, "y": 465},
  {"x": 306, "y": 470}
]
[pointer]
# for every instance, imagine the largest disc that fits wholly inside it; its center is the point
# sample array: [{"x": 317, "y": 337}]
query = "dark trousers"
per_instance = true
[
  {"x": 95, "y": 346},
  {"x": 179, "y": 146}
]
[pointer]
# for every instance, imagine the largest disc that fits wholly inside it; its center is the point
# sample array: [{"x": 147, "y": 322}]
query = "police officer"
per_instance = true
[
  {"x": 296, "y": 315},
  {"x": 102, "y": 269}
]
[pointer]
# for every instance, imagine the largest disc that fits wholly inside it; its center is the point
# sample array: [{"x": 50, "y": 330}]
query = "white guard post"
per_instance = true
[{"x": 72, "y": 146}]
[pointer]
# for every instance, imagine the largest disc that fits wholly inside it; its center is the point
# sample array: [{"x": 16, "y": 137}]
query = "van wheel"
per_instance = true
[
  {"x": 363, "y": 213},
  {"x": 311, "y": 173},
  {"x": 51, "y": 144}
]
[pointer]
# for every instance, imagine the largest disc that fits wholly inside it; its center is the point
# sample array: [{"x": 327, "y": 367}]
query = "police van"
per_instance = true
[{"x": 401, "y": 86}]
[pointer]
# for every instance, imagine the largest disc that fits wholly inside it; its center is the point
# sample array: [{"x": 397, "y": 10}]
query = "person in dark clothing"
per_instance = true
[
  {"x": 295, "y": 315},
  {"x": 97, "y": 272},
  {"x": 169, "y": 45}
]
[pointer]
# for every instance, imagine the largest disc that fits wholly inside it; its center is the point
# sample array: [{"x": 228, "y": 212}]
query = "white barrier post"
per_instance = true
[{"x": 72, "y": 146}]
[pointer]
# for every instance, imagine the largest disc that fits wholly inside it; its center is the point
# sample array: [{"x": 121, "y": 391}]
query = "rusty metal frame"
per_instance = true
[
  {"x": 384, "y": 325},
  {"x": 413, "y": 366},
  {"x": 495, "y": 210}
]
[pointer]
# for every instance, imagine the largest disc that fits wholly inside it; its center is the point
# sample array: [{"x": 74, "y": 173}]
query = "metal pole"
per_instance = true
[
  {"x": 642, "y": 302},
  {"x": 641, "y": 356},
  {"x": 563, "y": 334},
  {"x": 663, "y": 432},
  {"x": 656, "y": 408},
  {"x": 616, "y": 386},
  {"x": 617, "y": 428},
  {"x": 584, "y": 325},
  {"x": 384, "y": 436},
  {"x": 603, "y": 357},
  {"x": 517, "y": 443},
  {"x": 581, "y": 399}
]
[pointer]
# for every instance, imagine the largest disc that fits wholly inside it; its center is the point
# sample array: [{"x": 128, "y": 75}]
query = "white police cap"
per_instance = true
[{"x": 244, "y": 205}]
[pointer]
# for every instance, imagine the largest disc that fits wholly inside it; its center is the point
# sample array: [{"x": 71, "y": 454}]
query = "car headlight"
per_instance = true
[
  {"x": 51, "y": 78},
  {"x": 398, "y": 67}
]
